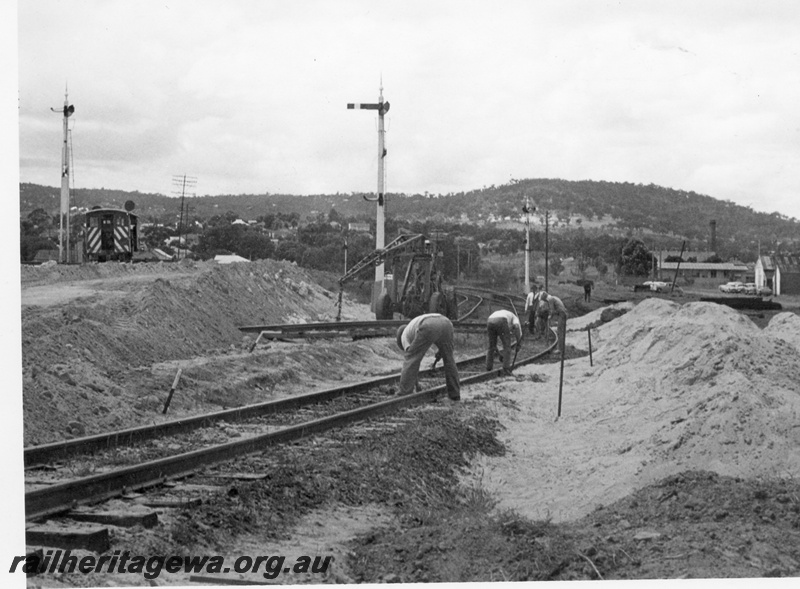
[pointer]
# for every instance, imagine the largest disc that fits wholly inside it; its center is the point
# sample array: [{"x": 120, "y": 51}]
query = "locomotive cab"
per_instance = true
[{"x": 111, "y": 234}]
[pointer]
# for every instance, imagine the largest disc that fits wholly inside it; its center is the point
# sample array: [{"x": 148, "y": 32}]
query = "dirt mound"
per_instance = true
[
  {"x": 673, "y": 388},
  {"x": 599, "y": 316},
  {"x": 785, "y": 326},
  {"x": 104, "y": 358}
]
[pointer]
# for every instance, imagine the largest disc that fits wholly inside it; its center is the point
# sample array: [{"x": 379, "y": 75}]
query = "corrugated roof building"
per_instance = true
[
  {"x": 703, "y": 274},
  {"x": 780, "y": 273}
]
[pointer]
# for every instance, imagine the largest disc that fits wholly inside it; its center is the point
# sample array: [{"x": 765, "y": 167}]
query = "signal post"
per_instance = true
[{"x": 382, "y": 108}]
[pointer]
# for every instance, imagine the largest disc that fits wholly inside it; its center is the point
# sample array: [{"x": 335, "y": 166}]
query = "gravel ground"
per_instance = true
[{"x": 676, "y": 455}]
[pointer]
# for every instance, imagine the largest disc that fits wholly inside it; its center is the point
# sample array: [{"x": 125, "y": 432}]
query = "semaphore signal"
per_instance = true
[
  {"x": 382, "y": 108},
  {"x": 63, "y": 229}
]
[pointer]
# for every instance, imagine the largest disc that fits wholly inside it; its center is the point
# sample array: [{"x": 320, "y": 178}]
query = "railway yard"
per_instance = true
[{"x": 676, "y": 455}]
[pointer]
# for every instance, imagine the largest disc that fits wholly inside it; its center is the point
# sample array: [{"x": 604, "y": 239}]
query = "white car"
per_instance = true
[
  {"x": 732, "y": 287},
  {"x": 750, "y": 288},
  {"x": 657, "y": 286}
]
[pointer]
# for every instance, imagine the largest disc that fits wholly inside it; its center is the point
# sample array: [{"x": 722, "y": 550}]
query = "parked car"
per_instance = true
[
  {"x": 764, "y": 291},
  {"x": 732, "y": 287},
  {"x": 656, "y": 286},
  {"x": 750, "y": 288}
]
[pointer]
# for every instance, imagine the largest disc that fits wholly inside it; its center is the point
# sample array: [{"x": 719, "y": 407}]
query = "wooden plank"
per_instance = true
[
  {"x": 122, "y": 519},
  {"x": 200, "y": 488},
  {"x": 173, "y": 503},
  {"x": 94, "y": 538},
  {"x": 240, "y": 476},
  {"x": 217, "y": 580}
]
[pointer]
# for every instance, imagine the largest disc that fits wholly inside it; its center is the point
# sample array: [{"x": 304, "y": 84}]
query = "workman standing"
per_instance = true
[
  {"x": 587, "y": 291},
  {"x": 530, "y": 307},
  {"x": 415, "y": 339},
  {"x": 500, "y": 325},
  {"x": 558, "y": 310}
]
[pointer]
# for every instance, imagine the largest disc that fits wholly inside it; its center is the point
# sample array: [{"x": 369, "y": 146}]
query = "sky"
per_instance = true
[{"x": 249, "y": 96}]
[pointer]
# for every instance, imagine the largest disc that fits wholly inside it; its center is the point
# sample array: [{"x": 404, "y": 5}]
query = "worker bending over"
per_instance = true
[
  {"x": 557, "y": 309},
  {"x": 500, "y": 325},
  {"x": 415, "y": 339},
  {"x": 539, "y": 314}
]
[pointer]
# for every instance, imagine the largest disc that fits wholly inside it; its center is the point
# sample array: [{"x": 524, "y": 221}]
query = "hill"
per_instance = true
[{"x": 605, "y": 207}]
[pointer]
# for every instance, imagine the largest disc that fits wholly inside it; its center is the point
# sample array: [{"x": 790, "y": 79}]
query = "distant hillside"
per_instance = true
[{"x": 611, "y": 207}]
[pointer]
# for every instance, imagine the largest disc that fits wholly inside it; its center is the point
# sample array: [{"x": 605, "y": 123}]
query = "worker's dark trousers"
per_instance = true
[
  {"x": 498, "y": 328},
  {"x": 531, "y": 321},
  {"x": 542, "y": 323},
  {"x": 436, "y": 331}
]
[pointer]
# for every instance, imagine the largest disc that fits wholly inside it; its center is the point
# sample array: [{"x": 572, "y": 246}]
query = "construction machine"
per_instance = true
[{"x": 413, "y": 281}]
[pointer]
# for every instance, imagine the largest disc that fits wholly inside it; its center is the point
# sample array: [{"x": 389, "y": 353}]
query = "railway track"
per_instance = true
[
  {"x": 270, "y": 423},
  {"x": 384, "y": 328}
]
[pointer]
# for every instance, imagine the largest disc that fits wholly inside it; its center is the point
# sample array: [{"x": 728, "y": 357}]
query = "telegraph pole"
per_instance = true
[
  {"x": 181, "y": 183},
  {"x": 345, "y": 247},
  {"x": 546, "y": 250},
  {"x": 63, "y": 230},
  {"x": 382, "y": 108}
]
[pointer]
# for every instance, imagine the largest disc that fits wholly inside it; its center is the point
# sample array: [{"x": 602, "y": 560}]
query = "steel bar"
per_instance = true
[
  {"x": 560, "y": 380},
  {"x": 172, "y": 391}
]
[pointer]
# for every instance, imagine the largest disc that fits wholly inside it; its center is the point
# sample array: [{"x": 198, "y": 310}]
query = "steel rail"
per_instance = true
[
  {"x": 57, "y": 498},
  {"x": 46, "y": 453},
  {"x": 386, "y": 326},
  {"x": 473, "y": 309}
]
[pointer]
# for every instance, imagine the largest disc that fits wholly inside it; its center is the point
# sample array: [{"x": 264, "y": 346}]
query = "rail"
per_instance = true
[{"x": 57, "y": 498}]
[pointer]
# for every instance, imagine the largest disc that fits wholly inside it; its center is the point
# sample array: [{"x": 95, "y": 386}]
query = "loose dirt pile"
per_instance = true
[
  {"x": 101, "y": 343},
  {"x": 673, "y": 388},
  {"x": 785, "y": 326}
]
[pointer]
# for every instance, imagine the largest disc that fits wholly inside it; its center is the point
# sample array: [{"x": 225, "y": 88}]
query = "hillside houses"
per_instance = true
[{"x": 781, "y": 273}]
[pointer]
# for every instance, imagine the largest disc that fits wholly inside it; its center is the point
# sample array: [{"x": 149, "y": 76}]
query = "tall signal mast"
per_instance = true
[
  {"x": 382, "y": 108},
  {"x": 527, "y": 209},
  {"x": 63, "y": 231}
]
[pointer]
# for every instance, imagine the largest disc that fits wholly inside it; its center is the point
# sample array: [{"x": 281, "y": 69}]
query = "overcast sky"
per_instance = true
[{"x": 250, "y": 96}]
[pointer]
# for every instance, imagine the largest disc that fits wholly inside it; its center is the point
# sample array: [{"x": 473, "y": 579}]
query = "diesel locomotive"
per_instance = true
[{"x": 111, "y": 234}]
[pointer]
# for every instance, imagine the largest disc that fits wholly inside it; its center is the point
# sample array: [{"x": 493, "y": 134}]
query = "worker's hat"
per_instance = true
[{"x": 400, "y": 331}]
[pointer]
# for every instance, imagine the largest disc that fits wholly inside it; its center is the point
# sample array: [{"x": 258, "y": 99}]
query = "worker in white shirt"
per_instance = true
[
  {"x": 501, "y": 324},
  {"x": 530, "y": 307},
  {"x": 415, "y": 339}
]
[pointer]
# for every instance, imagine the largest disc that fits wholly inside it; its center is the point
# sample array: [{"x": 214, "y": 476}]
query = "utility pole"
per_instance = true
[
  {"x": 527, "y": 209},
  {"x": 458, "y": 259},
  {"x": 546, "y": 250},
  {"x": 63, "y": 230},
  {"x": 382, "y": 108},
  {"x": 181, "y": 184},
  {"x": 344, "y": 247}
]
